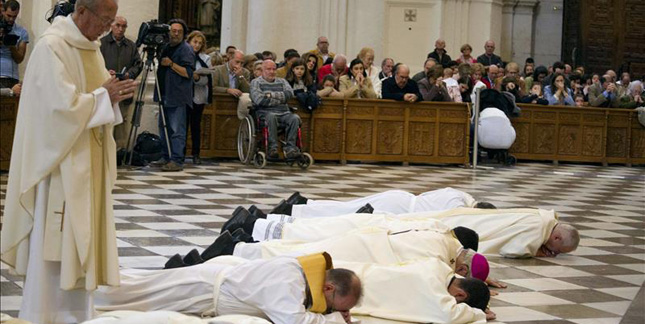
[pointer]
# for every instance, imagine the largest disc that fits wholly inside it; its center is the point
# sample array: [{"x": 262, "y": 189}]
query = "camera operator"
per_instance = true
[
  {"x": 121, "y": 53},
  {"x": 175, "y": 77},
  {"x": 13, "y": 44}
]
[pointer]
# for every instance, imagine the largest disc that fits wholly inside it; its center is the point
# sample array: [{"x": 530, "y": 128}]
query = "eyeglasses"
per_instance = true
[{"x": 107, "y": 22}]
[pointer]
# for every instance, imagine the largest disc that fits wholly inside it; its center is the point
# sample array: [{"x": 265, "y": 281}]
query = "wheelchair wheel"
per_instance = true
[
  {"x": 260, "y": 160},
  {"x": 246, "y": 140},
  {"x": 305, "y": 161}
]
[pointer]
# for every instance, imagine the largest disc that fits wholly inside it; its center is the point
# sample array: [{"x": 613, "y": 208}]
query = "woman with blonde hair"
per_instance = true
[
  {"x": 202, "y": 91},
  {"x": 477, "y": 71},
  {"x": 367, "y": 56}
]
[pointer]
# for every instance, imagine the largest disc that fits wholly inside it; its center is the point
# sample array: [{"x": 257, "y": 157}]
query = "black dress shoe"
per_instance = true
[
  {"x": 223, "y": 245},
  {"x": 255, "y": 211},
  {"x": 193, "y": 258},
  {"x": 283, "y": 208},
  {"x": 241, "y": 236},
  {"x": 297, "y": 199},
  {"x": 367, "y": 209},
  {"x": 237, "y": 220},
  {"x": 197, "y": 160},
  {"x": 174, "y": 262}
]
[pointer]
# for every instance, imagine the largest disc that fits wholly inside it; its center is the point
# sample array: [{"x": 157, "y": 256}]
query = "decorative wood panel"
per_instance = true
[
  {"x": 328, "y": 136},
  {"x": 421, "y": 139},
  {"x": 359, "y": 136},
  {"x": 8, "y": 114},
  {"x": 390, "y": 137}
]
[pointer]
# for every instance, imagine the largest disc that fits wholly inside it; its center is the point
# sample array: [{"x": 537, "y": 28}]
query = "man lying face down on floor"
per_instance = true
[
  {"x": 283, "y": 290},
  {"x": 511, "y": 233}
]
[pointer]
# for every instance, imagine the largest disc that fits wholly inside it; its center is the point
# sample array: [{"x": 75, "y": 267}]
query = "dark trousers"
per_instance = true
[
  {"x": 8, "y": 82},
  {"x": 194, "y": 123},
  {"x": 287, "y": 120}
]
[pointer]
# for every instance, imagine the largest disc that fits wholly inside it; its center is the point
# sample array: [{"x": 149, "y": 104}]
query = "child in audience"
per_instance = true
[
  {"x": 535, "y": 96},
  {"x": 580, "y": 100},
  {"x": 327, "y": 88}
]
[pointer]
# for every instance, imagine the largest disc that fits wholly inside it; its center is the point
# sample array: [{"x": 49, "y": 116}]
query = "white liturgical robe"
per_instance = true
[
  {"x": 58, "y": 227},
  {"x": 271, "y": 289},
  {"x": 512, "y": 233},
  {"x": 168, "y": 317},
  {"x": 368, "y": 245},
  {"x": 412, "y": 292},
  {"x": 391, "y": 201}
]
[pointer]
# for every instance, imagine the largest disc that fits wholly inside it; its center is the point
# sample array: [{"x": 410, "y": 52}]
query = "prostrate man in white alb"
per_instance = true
[
  {"x": 58, "y": 227},
  {"x": 284, "y": 290},
  {"x": 169, "y": 317},
  {"x": 391, "y": 201}
]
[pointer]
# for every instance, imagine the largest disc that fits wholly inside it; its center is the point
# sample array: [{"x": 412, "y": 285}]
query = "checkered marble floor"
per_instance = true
[{"x": 159, "y": 214}]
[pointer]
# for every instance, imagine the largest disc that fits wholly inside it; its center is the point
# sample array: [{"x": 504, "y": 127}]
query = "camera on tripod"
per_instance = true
[{"x": 153, "y": 33}]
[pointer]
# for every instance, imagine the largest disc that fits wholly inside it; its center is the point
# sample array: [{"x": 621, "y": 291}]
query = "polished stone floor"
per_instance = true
[{"x": 160, "y": 214}]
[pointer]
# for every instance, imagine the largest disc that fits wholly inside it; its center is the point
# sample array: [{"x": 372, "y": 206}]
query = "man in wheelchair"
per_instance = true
[{"x": 269, "y": 95}]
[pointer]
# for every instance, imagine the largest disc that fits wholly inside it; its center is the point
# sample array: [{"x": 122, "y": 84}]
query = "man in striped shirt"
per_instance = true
[{"x": 269, "y": 95}]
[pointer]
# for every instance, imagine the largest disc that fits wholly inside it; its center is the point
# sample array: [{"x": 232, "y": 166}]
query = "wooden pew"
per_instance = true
[
  {"x": 579, "y": 134},
  {"x": 8, "y": 114},
  {"x": 364, "y": 130}
]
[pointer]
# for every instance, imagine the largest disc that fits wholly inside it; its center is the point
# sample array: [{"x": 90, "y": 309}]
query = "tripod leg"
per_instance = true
[
  {"x": 136, "y": 115},
  {"x": 163, "y": 118}
]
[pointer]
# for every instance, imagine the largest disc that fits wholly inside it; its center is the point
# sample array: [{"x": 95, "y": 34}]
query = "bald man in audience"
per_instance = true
[{"x": 401, "y": 87}]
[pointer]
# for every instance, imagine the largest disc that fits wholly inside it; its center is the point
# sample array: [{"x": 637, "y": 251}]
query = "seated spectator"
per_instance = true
[
  {"x": 290, "y": 56},
  {"x": 270, "y": 95},
  {"x": 477, "y": 72},
  {"x": 430, "y": 62},
  {"x": 613, "y": 77},
  {"x": 567, "y": 70},
  {"x": 465, "y": 87},
  {"x": 558, "y": 93},
  {"x": 529, "y": 66},
  {"x": 491, "y": 76},
  {"x": 623, "y": 84},
  {"x": 337, "y": 68},
  {"x": 580, "y": 70},
  {"x": 327, "y": 88},
  {"x": 259, "y": 56},
  {"x": 451, "y": 84},
  {"x": 575, "y": 81},
  {"x": 311, "y": 61},
  {"x": 386, "y": 68},
  {"x": 604, "y": 93},
  {"x": 538, "y": 76},
  {"x": 268, "y": 55},
  {"x": 579, "y": 100},
  {"x": 558, "y": 67},
  {"x": 595, "y": 78},
  {"x": 367, "y": 56},
  {"x": 216, "y": 56},
  {"x": 303, "y": 85},
  {"x": 511, "y": 85},
  {"x": 535, "y": 96},
  {"x": 11, "y": 92},
  {"x": 453, "y": 65},
  {"x": 432, "y": 88},
  {"x": 322, "y": 52},
  {"x": 465, "y": 57},
  {"x": 439, "y": 53},
  {"x": 400, "y": 87},
  {"x": 257, "y": 69},
  {"x": 230, "y": 51},
  {"x": 489, "y": 58},
  {"x": 634, "y": 96},
  {"x": 249, "y": 61},
  {"x": 233, "y": 79},
  {"x": 356, "y": 84},
  {"x": 512, "y": 71}
]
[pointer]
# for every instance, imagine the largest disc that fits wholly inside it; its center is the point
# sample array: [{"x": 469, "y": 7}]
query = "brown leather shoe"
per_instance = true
[{"x": 172, "y": 166}]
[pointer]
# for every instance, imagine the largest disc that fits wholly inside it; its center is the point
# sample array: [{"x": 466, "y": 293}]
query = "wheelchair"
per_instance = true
[{"x": 253, "y": 145}]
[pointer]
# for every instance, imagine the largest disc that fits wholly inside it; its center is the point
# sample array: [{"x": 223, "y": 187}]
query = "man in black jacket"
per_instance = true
[
  {"x": 401, "y": 87},
  {"x": 439, "y": 53}
]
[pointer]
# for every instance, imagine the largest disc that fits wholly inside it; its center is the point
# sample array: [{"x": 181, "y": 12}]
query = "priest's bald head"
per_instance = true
[
  {"x": 473, "y": 292},
  {"x": 343, "y": 289},
  {"x": 564, "y": 238},
  {"x": 94, "y": 17}
]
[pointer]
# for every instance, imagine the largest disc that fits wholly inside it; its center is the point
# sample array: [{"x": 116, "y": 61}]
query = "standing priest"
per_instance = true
[{"x": 58, "y": 226}]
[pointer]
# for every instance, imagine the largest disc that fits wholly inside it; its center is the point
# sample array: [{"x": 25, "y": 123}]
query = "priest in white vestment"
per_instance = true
[
  {"x": 58, "y": 227},
  {"x": 378, "y": 245},
  {"x": 391, "y": 201},
  {"x": 169, "y": 317},
  {"x": 512, "y": 233},
  {"x": 275, "y": 289},
  {"x": 283, "y": 290}
]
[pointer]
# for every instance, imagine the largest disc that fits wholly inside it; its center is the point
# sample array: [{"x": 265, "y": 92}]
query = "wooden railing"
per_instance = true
[
  {"x": 426, "y": 132},
  {"x": 362, "y": 130},
  {"x": 579, "y": 134}
]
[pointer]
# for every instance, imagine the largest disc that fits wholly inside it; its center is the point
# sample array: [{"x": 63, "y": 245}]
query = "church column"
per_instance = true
[
  {"x": 485, "y": 22},
  {"x": 517, "y": 30},
  {"x": 234, "y": 24}
]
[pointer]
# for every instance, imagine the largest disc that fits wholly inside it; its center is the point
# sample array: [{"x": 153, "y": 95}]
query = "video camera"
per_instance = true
[
  {"x": 7, "y": 39},
  {"x": 62, "y": 8},
  {"x": 153, "y": 34}
]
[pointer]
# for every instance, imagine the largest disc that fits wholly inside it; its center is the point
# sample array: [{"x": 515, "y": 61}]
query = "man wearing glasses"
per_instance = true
[{"x": 58, "y": 227}]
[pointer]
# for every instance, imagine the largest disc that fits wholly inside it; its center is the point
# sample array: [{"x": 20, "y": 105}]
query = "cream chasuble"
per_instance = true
[{"x": 63, "y": 168}]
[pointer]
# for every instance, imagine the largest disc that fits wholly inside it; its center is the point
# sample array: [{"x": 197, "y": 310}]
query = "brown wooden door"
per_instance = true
[{"x": 605, "y": 34}]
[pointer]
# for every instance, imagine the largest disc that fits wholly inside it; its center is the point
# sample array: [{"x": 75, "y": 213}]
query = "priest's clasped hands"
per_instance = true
[{"x": 120, "y": 89}]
